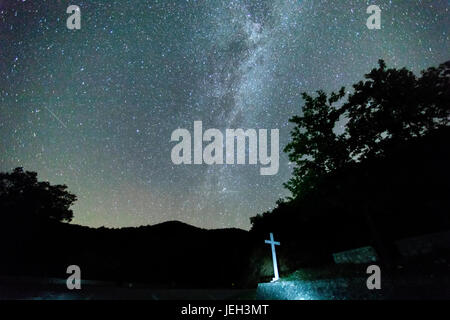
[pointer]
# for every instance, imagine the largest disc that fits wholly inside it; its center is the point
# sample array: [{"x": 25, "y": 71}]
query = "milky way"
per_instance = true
[{"x": 95, "y": 108}]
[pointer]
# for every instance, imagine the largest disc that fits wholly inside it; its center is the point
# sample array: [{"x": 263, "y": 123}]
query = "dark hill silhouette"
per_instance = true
[
  {"x": 174, "y": 225},
  {"x": 171, "y": 254}
]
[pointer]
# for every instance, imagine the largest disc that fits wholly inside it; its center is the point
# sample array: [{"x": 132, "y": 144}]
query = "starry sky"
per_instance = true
[{"x": 95, "y": 108}]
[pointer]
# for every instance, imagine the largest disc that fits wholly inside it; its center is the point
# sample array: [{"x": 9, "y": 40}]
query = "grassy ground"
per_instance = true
[{"x": 327, "y": 272}]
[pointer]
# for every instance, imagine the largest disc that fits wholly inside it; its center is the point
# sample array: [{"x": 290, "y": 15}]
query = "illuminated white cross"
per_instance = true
[{"x": 274, "y": 256}]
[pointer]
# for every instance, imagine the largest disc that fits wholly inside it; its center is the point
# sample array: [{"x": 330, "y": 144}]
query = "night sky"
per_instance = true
[{"x": 95, "y": 108}]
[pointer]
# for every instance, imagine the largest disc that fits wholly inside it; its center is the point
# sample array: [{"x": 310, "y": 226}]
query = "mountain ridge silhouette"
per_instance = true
[{"x": 172, "y": 253}]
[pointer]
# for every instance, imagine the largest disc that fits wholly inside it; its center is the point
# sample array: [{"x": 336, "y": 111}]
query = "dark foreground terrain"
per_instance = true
[{"x": 28, "y": 288}]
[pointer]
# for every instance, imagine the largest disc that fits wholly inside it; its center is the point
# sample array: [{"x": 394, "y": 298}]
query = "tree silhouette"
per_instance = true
[
  {"x": 315, "y": 147},
  {"x": 23, "y": 197},
  {"x": 389, "y": 108}
]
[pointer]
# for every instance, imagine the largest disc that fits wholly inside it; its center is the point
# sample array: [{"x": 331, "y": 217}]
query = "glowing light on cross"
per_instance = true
[{"x": 274, "y": 256}]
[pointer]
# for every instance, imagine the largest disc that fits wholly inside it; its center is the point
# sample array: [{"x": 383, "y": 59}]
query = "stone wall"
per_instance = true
[
  {"x": 360, "y": 255},
  {"x": 407, "y": 247},
  {"x": 424, "y": 244}
]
